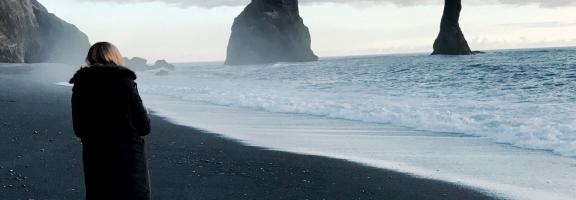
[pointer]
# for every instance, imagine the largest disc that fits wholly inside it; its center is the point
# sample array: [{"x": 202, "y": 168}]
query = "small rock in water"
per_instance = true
[
  {"x": 162, "y": 73},
  {"x": 163, "y": 64}
]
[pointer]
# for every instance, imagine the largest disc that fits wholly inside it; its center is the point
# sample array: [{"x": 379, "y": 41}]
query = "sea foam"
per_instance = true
[{"x": 523, "y": 98}]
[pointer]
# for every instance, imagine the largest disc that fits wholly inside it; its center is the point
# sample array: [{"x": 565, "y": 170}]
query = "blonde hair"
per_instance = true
[{"x": 104, "y": 53}]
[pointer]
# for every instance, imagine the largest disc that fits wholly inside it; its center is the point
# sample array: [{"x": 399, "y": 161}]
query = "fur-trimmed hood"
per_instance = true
[{"x": 94, "y": 73}]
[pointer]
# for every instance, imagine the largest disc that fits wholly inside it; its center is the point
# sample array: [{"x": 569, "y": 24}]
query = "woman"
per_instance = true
[{"x": 110, "y": 119}]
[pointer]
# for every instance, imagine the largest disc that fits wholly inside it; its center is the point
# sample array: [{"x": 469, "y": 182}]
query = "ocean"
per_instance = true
[{"x": 515, "y": 107}]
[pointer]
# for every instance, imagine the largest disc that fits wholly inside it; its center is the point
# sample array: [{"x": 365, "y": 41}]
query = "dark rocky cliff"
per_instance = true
[
  {"x": 29, "y": 34},
  {"x": 269, "y": 31},
  {"x": 451, "y": 40},
  {"x": 17, "y": 25}
]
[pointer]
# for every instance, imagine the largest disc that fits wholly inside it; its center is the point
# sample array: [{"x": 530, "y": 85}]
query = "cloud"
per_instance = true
[
  {"x": 541, "y": 3},
  {"x": 217, "y": 3},
  {"x": 546, "y": 24}
]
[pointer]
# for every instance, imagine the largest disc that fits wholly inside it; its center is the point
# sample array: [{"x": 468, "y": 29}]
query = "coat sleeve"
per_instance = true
[
  {"x": 140, "y": 117},
  {"x": 77, "y": 118}
]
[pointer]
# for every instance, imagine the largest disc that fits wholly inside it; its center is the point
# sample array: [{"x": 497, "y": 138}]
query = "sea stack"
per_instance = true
[
  {"x": 451, "y": 40},
  {"x": 30, "y": 34},
  {"x": 269, "y": 31}
]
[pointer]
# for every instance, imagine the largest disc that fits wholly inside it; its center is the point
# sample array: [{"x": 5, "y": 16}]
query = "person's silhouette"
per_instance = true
[{"x": 111, "y": 120}]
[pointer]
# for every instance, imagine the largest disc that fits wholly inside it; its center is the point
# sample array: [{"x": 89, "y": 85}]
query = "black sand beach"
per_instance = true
[{"x": 41, "y": 159}]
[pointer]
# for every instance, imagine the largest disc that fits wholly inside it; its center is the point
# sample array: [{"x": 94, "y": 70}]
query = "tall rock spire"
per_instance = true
[
  {"x": 451, "y": 40},
  {"x": 269, "y": 31}
]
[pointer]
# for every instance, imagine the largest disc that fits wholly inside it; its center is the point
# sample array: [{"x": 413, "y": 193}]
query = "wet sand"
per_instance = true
[{"x": 41, "y": 159}]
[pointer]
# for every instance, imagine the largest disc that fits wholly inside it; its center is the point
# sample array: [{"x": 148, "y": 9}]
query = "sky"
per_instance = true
[{"x": 198, "y": 30}]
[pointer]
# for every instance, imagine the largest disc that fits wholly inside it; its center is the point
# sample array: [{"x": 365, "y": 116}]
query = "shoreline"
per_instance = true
[
  {"x": 43, "y": 160},
  {"x": 478, "y": 163}
]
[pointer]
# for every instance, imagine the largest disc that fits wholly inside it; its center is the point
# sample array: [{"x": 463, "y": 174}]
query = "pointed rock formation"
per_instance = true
[
  {"x": 29, "y": 34},
  {"x": 451, "y": 40},
  {"x": 269, "y": 31}
]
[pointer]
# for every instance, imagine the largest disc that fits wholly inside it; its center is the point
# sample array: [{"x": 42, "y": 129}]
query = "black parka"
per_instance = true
[{"x": 111, "y": 120}]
